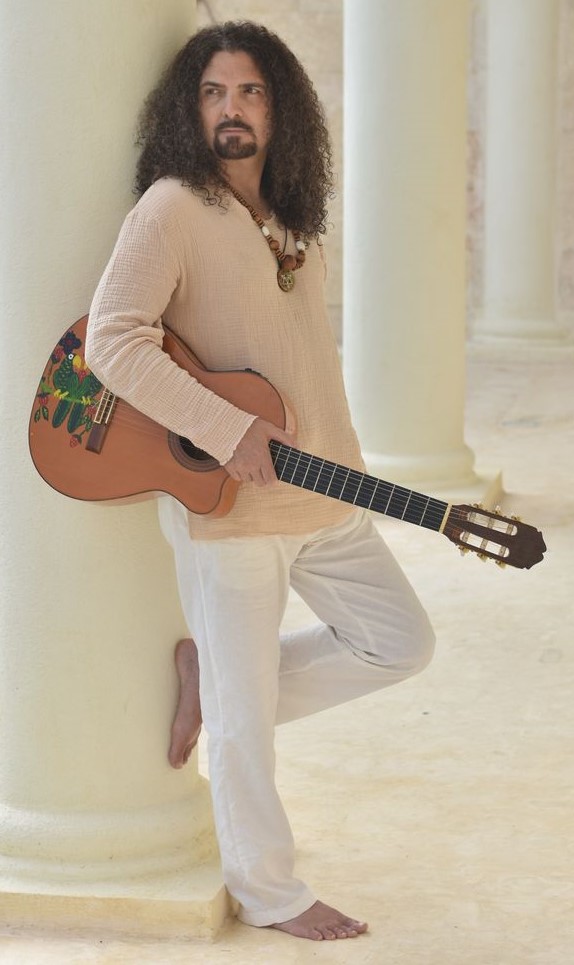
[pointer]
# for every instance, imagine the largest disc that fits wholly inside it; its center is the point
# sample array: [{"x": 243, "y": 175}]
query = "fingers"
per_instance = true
[
  {"x": 259, "y": 477},
  {"x": 232, "y": 472},
  {"x": 247, "y": 472},
  {"x": 264, "y": 476},
  {"x": 251, "y": 462},
  {"x": 281, "y": 435}
]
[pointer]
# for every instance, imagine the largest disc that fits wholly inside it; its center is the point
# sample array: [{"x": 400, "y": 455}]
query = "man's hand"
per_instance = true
[{"x": 251, "y": 461}]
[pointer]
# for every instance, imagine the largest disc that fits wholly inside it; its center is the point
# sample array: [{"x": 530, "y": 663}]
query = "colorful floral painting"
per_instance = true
[{"x": 67, "y": 394}]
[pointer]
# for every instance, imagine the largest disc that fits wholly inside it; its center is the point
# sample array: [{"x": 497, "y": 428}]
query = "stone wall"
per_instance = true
[{"x": 313, "y": 29}]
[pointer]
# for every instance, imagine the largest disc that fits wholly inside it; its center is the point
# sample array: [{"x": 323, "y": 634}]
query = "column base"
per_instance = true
[
  {"x": 417, "y": 472},
  {"x": 527, "y": 329},
  {"x": 193, "y": 904},
  {"x": 486, "y": 488}
]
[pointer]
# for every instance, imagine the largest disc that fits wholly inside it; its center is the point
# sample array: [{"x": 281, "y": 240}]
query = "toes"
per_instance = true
[
  {"x": 182, "y": 744},
  {"x": 321, "y": 923},
  {"x": 343, "y": 932},
  {"x": 352, "y": 923},
  {"x": 179, "y": 755},
  {"x": 187, "y": 752},
  {"x": 338, "y": 930},
  {"x": 348, "y": 928}
]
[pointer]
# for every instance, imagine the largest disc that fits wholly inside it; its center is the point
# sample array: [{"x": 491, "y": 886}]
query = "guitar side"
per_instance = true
[{"x": 132, "y": 457}]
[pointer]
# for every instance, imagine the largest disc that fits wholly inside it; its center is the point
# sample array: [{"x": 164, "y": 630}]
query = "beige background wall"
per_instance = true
[{"x": 313, "y": 29}]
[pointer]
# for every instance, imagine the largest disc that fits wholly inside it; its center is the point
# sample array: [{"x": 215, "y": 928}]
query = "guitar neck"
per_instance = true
[{"x": 339, "y": 482}]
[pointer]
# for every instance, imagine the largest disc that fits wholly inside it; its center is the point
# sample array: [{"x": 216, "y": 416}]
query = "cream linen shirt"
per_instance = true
[{"x": 208, "y": 273}]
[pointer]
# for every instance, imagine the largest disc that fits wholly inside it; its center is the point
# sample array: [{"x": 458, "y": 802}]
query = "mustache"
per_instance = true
[{"x": 226, "y": 125}]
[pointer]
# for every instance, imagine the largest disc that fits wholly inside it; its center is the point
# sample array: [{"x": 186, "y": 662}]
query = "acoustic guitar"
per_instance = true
[{"x": 89, "y": 444}]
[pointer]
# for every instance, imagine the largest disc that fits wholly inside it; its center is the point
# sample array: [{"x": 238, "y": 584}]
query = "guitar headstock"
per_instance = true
[{"x": 505, "y": 539}]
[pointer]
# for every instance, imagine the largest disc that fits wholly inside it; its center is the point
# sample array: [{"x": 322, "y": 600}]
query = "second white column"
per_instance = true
[{"x": 404, "y": 254}]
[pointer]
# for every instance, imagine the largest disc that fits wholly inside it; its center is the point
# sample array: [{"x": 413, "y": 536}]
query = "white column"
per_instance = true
[
  {"x": 94, "y": 824},
  {"x": 404, "y": 252},
  {"x": 520, "y": 170}
]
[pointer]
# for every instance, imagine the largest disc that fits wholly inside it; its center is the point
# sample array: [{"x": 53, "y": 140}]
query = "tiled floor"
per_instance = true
[{"x": 441, "y": 811}]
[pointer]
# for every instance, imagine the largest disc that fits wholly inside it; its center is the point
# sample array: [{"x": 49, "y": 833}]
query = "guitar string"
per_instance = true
[
  {"x": 459, "y": 515},
  {"x": 369, "y": 484},
  {"x": 132, "y": 421},
  {"x": 355, "y": 476}
]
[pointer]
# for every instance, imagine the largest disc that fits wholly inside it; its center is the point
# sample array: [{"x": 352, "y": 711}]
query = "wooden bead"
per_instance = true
[{"x": 287, "y": 263}]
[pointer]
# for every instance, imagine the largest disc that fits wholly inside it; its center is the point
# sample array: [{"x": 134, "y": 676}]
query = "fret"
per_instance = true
[
  {"x": 373, "y": 494},
  {"x": 317, "y": 475},
  {"x": 325, "y": 477},
  {"x": 397, "y": 502},
  {"x": 309, "y": 464},
  {"x": 279, "y": 455},
  {"x": 435, "y": 512},
  {"x": 382, "y": 496},
  {"x": 364, "y": 499},
  {"x": 415, "y": 508},
  {"x": 313, "y": 473},
  {"x": 351, "y": 487},
  {"x": 338, "y": 483},
  {"x": 294, "y": 469}
]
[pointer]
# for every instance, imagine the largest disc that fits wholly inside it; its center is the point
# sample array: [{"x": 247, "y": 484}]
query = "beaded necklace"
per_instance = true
[{"x": 287, "y": 263}]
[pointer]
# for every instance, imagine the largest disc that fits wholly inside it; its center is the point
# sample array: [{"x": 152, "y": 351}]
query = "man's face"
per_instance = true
[{"x": 234, "y": 106}]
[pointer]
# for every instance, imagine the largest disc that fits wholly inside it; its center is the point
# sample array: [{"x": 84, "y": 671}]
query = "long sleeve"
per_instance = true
[{"x": 124, "y": 341}]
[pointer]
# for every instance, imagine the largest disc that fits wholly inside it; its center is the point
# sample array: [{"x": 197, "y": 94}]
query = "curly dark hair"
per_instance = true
[{"x": 297, "y": 178}]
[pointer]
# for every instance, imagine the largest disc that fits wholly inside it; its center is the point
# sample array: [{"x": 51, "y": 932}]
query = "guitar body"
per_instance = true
[{"x": 130, "y": 456}]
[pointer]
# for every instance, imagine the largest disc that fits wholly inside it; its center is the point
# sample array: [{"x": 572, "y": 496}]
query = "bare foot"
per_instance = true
[
  {"x": 321, "y": 922},
  {"x": 187, "y": 721}
]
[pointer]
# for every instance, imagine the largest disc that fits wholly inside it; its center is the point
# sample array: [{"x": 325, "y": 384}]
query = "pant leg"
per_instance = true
[
  {"x": 233, "y": 594},
  {"x": 375, "y": 632}
]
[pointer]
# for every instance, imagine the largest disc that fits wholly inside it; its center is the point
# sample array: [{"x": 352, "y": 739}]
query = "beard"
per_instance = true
[{"x": 232, "y": 147}]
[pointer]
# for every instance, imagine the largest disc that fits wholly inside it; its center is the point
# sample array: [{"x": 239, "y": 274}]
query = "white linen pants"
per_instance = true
[{"x": 234, "y": 592}]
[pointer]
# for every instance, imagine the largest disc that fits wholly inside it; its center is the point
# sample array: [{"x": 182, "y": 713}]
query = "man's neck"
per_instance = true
[{"x": 246, "y": 180}]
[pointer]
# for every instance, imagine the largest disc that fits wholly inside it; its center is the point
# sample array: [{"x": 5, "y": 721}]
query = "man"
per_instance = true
[{"x": 224, "y": 246}]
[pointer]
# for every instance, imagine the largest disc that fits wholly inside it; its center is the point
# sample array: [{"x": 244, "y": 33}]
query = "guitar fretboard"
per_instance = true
[{"x": 332, "y": 479}]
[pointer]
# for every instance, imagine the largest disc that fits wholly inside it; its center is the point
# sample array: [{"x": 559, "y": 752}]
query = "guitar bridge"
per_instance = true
[{"x": 102, "y": 420}]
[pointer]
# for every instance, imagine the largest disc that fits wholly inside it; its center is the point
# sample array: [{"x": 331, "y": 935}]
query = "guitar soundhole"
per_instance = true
[
  {"x": 192, "y": 451},
  {"x": 189, "y": 455}
]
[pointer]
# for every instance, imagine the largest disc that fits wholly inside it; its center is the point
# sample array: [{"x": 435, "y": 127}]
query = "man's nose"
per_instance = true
[{"x": 231, "y": 105}]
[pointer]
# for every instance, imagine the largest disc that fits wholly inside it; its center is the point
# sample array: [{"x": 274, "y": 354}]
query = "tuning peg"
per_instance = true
[
  {"x": 501, "y": 563},
  {"x": 498, "y": 509},
  {"x": 482, "y": 556},
  {"x": 478, "y": 505},
  {"x": 516, "y": 518},
  {"x": 463, "y": 550}
]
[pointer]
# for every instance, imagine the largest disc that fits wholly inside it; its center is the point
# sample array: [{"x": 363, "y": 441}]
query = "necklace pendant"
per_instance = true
[{"x": 285, "y": 279}]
